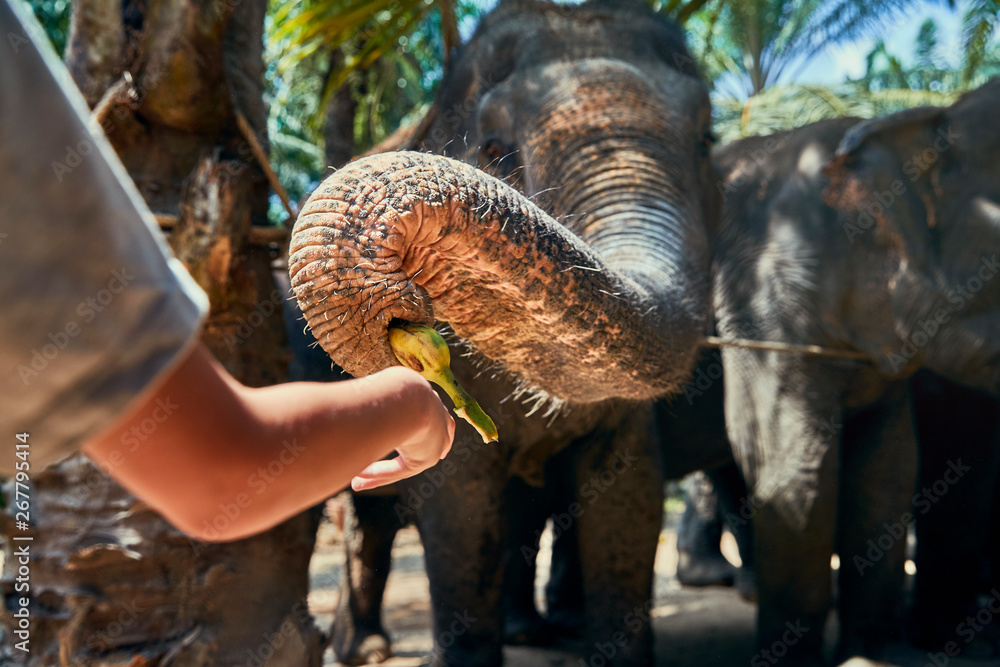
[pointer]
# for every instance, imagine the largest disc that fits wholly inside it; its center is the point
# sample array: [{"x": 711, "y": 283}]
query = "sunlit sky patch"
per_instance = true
[{"x": 900, "y": 35}]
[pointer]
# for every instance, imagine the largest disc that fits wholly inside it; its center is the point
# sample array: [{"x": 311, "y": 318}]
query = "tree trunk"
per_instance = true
[
  {"x": 112, "y": 583},
  {"x": 338, "y": 126}
]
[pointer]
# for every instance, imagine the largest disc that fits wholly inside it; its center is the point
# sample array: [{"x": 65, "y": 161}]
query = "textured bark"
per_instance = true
[
  {"x": 112, "y": 582},
  {"x": 95, "y": 49},
  {"x": 338, "y": 128}
]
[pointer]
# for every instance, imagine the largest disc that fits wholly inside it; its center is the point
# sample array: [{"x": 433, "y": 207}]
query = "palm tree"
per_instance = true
[
  {"x": 752, "y": 45},
  {"x": 981, "y": 56},
  {"x": 343, "y": 74},
  {"x": 749, "y": 48}
]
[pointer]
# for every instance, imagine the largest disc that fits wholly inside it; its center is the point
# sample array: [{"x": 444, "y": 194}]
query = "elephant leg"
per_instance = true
[
  {"x": 957, "y": 429},
  {"x": 732, "y": 492},
  {"x": 789, "y": 444},
  {"x": 526, "y": 509},
  {"x": 620, "y": 511},
  {"x": 699, "y": 558},
  {"x": 370, "y": 526},
  {"x": 878, "y": 471},
  {"x": 793, "y": 581},
  {"x": 462, "y": 529},
  {"x": 564, "y": 589}
]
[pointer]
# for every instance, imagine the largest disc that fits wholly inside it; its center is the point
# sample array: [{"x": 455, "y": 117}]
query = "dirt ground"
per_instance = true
[{"x": 693, "y": 627}]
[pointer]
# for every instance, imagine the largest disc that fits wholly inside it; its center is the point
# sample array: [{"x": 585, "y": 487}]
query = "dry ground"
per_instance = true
[{"x": 693, "y": 628}]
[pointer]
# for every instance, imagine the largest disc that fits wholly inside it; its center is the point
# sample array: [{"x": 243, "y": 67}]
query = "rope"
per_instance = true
[{"x": 789, "y": 348}]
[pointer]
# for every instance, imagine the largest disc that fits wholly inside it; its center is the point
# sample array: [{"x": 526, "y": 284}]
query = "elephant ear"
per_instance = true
[
  {"x": 887, "y": 129},
  {"x": 886, "y": 171},
  {"x": 890, "y": 145},
  {"x": 896, "y": 139}
]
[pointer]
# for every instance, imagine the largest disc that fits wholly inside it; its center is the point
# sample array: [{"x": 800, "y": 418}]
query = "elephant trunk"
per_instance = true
[
  {"x": 637, "y": 218},
  {"x": 421, "y": 237}
]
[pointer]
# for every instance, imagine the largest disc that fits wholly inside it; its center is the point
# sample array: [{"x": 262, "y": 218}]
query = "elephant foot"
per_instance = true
[
  {"x": 358, "y": 646},
  {"x": 526, "y": 629},
  {"x": 746, "y": 583},
  {"x": 698, "y": 571}
]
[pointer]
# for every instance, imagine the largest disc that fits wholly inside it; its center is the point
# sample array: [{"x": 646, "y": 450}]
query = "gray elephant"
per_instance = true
[
  {"x": 579, "y": 286},
  {"x": 896, "y": 266}
]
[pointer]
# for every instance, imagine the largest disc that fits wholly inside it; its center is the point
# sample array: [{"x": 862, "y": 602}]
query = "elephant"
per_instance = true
[
  {"x": 714, "y": 498},
  {"x": 874, "y": 240},
  {"x": 557, "y": 222}
]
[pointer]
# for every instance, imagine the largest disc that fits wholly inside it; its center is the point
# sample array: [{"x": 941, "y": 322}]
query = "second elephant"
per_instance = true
[{"x": 898, "y": 266}]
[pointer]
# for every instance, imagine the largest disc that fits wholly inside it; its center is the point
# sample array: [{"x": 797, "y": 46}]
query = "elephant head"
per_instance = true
[
  {"x": 564, "y": 236},
  {"x": 923, "y": 186}
]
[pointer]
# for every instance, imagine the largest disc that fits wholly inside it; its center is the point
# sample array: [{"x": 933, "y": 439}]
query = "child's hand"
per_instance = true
[{"x": 430, "y": 442}]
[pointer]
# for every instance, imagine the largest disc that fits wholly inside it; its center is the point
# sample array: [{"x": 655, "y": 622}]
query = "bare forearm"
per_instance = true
[
  {"x": 337, "y": 429},
  {"x": 224, "y": 462}
]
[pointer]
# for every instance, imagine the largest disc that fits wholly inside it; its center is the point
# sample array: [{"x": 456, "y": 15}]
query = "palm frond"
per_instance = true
[
  {"x": 764, "y": 38},
  {"x": 979, "y": 26},
  {"x": 362, "y": 29},
  {"x": 785, "y": 107}
]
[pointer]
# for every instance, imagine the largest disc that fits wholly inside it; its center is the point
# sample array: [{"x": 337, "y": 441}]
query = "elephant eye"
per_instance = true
[{"x": 498, "y": 157}]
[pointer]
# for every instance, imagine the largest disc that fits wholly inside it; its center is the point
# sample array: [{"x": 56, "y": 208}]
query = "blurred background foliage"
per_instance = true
[
  {"x": 342, "y": 75},
  {"x": 54, "y": 17},
  {"x": 753, "y": 53},
  {"x": 350, "y": 72}
]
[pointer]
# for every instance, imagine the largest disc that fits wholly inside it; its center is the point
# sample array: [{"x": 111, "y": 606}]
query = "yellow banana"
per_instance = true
[{"x": 424, "y": 350}]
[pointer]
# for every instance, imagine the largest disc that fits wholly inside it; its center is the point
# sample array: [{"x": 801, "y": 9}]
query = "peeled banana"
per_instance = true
[{"x": 424, "y": 350}]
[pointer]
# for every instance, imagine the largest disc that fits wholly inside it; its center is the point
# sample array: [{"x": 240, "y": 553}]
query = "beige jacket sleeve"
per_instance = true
[{"x": 94, "y": 309}]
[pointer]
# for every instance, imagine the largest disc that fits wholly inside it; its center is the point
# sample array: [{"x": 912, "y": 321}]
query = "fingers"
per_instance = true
[
  {"x": 381, "y": 473},
  {"x": 451, "y": 436},
  {"x": 414, "y": 457},
  {"x": 390, "y": 471}
]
